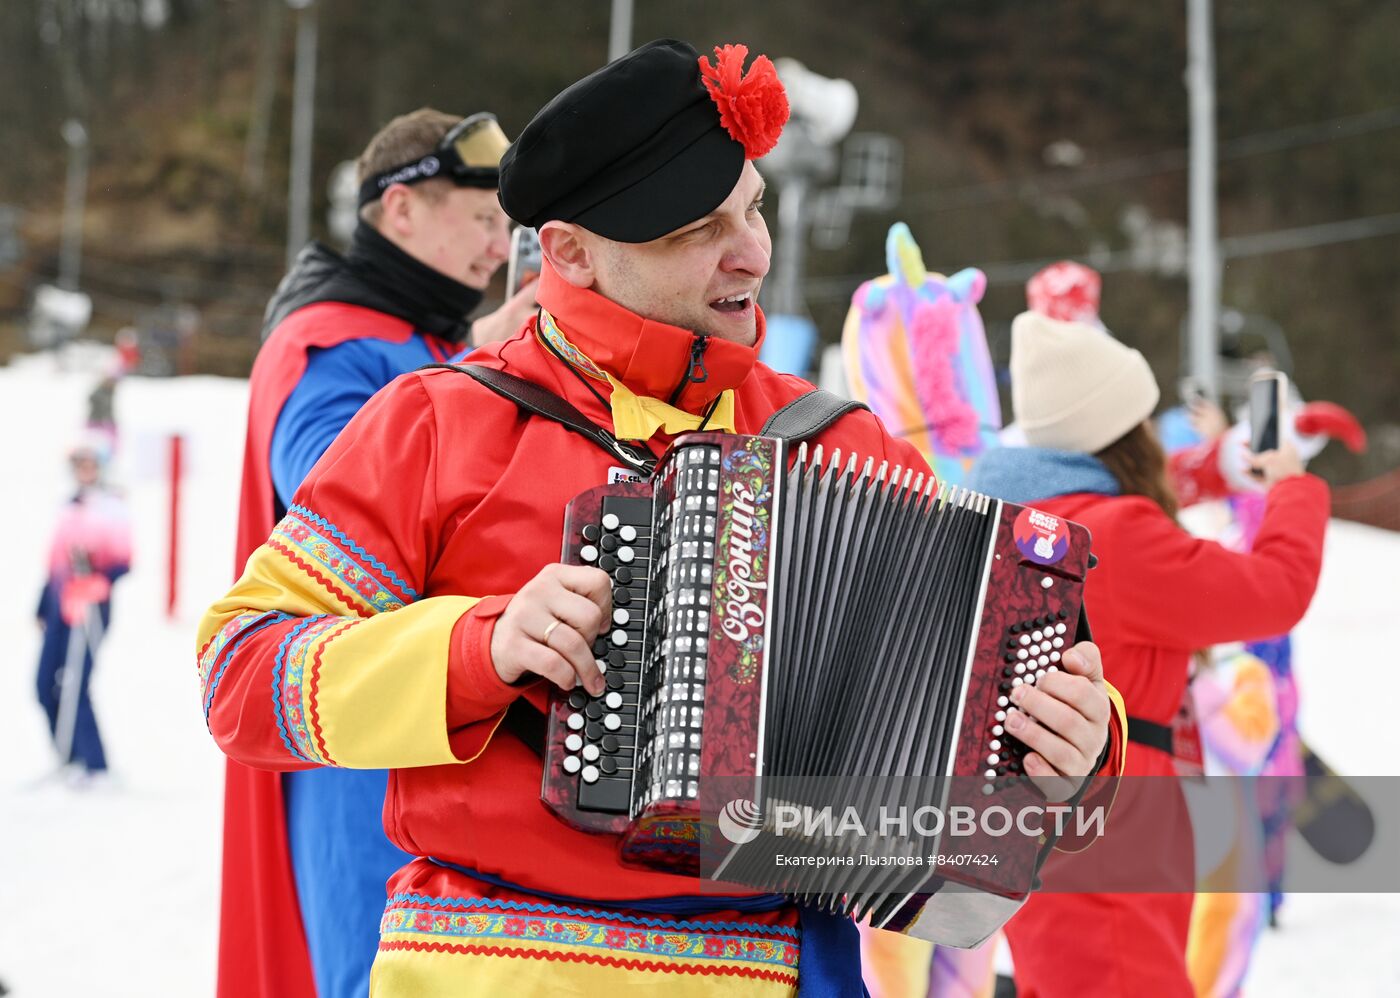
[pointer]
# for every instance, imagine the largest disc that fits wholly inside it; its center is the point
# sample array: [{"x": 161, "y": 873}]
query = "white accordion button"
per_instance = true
[
  {"x": 1058, "y": 643},
  {"x": 612, "y": 722},
  {"x": 1046, "y": 582},
  {"x": 621, "y": 617},
  {"x": 1043, "y": 661},
  {"x": 1054, "y": 656},
  {"x": 1053, "y": 668},
  {"x": 625, "y": 555},
  {"x": 990, "y": 774},
  {"x": 602, "y": 666},
  {"x": 1001, "y": 716},
  {"x": 572, "y": 765},
  {"x": 1001, "y": 702},
  {"x": 573, "y": 743},
  {"x": 1047, "y": 645},
  {"x": 1060, "y": 628},
  {"x": 575, "y": 722},
  {"x": 590, "y": 774},
  {"x": 613, "y": 700},
  {"x": 995, "y": 746},
  {"x": 1023, "y": 654},
  {"x": 590, "y": 753},
  {"x": 993, "y": 759},
  {"x": 589, "y": 553},
  {"x": 987, "y": 789},
  {"x": 619, "y": 638},
  {"x": 628, "y": 534},
  {"x": 610, "y": 521},
  {"x": 1030, "y": 680},
  {"x": 1020, "y": 668},
  {"x": 1025, "y": 639},
  {"x": 1036, "y": 636},
  {"x": 1016, "y": 681},
  {"x": 997, "y": 729}
]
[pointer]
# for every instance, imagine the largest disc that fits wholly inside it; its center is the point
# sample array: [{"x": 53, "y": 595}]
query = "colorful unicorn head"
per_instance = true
[{"x": 916, "y": 353}]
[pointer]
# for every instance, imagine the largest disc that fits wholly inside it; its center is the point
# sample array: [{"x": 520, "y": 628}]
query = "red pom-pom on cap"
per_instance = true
[{"x": 753, "y": 108}]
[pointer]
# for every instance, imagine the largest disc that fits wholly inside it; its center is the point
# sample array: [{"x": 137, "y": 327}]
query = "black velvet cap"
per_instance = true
[{"x": 631, "y": 151}]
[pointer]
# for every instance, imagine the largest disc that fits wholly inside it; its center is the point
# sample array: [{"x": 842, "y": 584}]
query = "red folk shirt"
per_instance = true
[{"x": 439, "y": 488}]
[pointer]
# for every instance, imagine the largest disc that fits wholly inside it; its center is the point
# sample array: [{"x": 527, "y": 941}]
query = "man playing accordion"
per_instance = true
[{"x": 413, "y": 592}]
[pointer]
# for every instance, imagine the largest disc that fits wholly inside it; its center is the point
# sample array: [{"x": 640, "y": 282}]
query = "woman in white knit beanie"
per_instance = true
[{"x": 1083, "y": 401}]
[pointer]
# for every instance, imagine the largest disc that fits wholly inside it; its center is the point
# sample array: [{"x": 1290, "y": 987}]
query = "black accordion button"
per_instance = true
[
  {"x": 608, "y": 765},
  {"x": 578, "y": 699},
  {"x": 616, "y": 660},
  {"x": 610, "y": 744},
  {"x": 621, "y": 596},
  {"x": 616, "y": 681},
  {"x": 1015, "y": 628},
  {"x": 593, "y": 711},
  {"x": 1061, "y": 614},
  {"x": 593, "y": 730},
  {"x": 1004, "y": 672},
  {"x": 1008, "y": 659},
  {"x": 608, "y": 563},
  {"x": 591, "y": 533},
  {"x": 623, "y": 576},
  {"x": 609, "y": 543},
  {"x": 600, "y": 647}
]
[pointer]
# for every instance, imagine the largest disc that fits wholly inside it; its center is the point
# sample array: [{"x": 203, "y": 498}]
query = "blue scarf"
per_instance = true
[
  {"x": 1027, "y": 475},
  {"x": 829, "y": 958}
]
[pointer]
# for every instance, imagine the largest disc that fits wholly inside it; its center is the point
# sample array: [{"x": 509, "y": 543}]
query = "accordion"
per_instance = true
[{"x": 797, "y": 632}]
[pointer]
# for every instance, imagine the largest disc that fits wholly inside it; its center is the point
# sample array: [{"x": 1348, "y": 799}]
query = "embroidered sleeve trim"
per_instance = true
[{"x": 325, "y": 546}]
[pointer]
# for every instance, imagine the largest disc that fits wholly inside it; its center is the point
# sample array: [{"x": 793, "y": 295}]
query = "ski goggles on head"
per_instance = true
[{"x": 469, "y": 155}]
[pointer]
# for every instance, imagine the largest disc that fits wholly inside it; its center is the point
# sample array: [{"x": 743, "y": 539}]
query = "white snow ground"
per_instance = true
[{"x": 112, "y": 890}]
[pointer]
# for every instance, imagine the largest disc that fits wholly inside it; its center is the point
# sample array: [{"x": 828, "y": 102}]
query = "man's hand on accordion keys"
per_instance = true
[
  {"x": 548, "y": 628},
  {"x": 1063, "y": 719}
]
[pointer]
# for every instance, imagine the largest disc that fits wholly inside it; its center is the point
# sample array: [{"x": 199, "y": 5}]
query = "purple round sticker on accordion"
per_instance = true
[{"x": 1042, "y": 538}]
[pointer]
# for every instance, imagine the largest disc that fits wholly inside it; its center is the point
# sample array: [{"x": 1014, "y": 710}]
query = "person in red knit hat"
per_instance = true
[
  {"x": 412, "y": 594},
  {"x": 1083, "y": 401}
]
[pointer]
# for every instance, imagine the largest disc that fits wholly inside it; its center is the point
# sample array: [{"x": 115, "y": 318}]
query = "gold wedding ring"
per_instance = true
[{"x": 550, "y": 630}]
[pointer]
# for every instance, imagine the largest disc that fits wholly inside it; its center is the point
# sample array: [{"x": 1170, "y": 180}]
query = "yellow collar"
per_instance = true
[{"x": 637, "y": 417}]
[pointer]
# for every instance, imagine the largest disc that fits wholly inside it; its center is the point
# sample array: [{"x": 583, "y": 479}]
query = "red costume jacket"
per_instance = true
[
  {"x": 440, "y": 488},
  {"x": 262, "y": 947}
]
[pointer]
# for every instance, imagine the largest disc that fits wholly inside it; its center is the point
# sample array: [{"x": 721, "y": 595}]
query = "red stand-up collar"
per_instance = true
[{"x": 650, "y": 358}]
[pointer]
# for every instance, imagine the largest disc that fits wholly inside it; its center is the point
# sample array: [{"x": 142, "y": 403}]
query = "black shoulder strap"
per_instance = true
[
  {"x": 807, "y": 415},
  {"x": 542, "y": 402}
]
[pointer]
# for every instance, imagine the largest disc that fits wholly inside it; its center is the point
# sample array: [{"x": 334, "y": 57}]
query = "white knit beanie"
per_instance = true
[{"x": 1074, "y": 387}]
